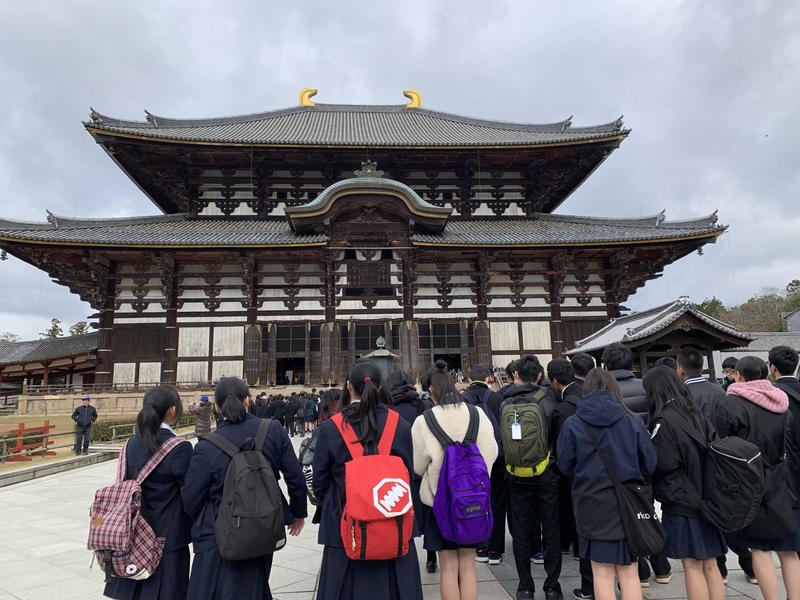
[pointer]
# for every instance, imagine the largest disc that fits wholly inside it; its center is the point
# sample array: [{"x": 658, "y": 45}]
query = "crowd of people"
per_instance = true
[{"x": 547, "y": 455}]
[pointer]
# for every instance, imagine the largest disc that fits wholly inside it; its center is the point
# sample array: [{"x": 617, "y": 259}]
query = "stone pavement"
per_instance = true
[{"x": 43, "y": 552}]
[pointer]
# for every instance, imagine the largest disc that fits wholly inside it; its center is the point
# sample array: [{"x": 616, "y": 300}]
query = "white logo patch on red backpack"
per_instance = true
[{"x": 392, "y": 497}]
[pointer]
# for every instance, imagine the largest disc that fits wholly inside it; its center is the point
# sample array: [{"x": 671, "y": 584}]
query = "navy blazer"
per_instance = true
[
  {"x": 330, "y": 455},
  {"x": 209, "y": 466},
  {"x": 161, "y": 491}
]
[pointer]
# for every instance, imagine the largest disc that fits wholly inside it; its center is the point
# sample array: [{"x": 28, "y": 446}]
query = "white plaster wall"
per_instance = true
[
  {"x": 190, "y": 372},
  {"x": 536, "y": 334},
  {"x": 228, "y": 341},
  {"x": 193, "y": 341},
  {"x": 149, "y": 372},
  {"x": 124, "y": 373},
  {"x": 227, "y": 368},
  {"x": 505, "y": 335}
]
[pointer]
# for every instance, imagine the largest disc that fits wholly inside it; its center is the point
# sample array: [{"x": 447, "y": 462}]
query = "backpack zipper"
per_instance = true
[{"x": 744, "y": 460}]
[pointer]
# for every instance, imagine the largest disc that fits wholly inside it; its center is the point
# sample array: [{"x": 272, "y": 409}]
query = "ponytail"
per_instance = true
[
  {"x": 157, "y": 402},
  {"x": 365, "y": 377},
  {"x": 443, "y": 390},
  {"x": 229, "y": 395}
]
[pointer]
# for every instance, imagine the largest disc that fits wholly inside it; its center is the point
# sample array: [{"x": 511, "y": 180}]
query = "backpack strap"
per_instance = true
[
  {"x": 261, "y": 435},
  {"x": 348, "y": 434},
  {"x": 600, "y": 452},
  {"x": 436, "y": 429},
  {"x": 539, "y": 394},
  {"x": 221, "y": 443},
  {"x": 486, "y": 394},
  {"x": 387, "y": 437},
  {"x": 122, "y": 463},
  {"x": 472, "y": 428},
  {"x": 159, "y": 455}
]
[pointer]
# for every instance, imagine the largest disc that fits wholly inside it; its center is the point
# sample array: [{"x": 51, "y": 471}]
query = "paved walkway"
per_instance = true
[{"x": 43, "y": 552}]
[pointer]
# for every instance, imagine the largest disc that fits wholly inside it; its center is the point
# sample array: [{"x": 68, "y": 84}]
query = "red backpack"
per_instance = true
[{"x": 378, "y": 517}]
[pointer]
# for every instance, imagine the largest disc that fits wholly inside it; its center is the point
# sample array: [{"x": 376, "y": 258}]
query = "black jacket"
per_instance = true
[
  {"x": 278, "y": 409},
  {"x": 628, "y": 449},
  {"x": 757, "y": 425},
  {"x": 523, "y": 393},
  {"x": 408, "y": 403},
  {"x": 161, "y": 491},
  {"x": 709, "y": 397},
  {"x": 84, "y": 415},
  {"x": 678, "y": 480},
  {"x": 633, "y": 394},
  {"x": 566, "y": 407},
  {"x": 330, "y": 456},
  {"x": 475, "y": 394},
  {"x": 209, "y": 466}
]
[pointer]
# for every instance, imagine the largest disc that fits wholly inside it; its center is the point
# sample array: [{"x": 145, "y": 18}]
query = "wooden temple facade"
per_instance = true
[{"x": 291, "y": 240}]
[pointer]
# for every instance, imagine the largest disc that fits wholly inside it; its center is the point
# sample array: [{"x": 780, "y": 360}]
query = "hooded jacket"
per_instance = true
[
  {"x": 408, "y": 403},
  {"x": 632, "y": 390},
  {"x": 628, "y": 448},
  {"x": 678, "y": 480},
  {"x": 756, "y": 411}
]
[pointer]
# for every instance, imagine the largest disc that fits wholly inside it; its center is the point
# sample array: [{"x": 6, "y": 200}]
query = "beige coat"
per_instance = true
[{"x": 429, "y": 454}]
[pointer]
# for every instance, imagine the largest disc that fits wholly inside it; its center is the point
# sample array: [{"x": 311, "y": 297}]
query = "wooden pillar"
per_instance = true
[
  {"x": 271, "y": 363},
  {"x": 483, "y": 338},
  {"x": 105, "y": 358},
  {"x": 712, "y": 369},
  {"x": 328, "y": 331},
  {"x": 464, "y": 336},
  {"x": 307, "y": 357},
  {"x": 169, "y": 302},
  {"x": 409, "y": 349},
  {"x": 46, "y": 374},
  {"x": 555, "y": 288},
  {"x": 642, "y": 362}
]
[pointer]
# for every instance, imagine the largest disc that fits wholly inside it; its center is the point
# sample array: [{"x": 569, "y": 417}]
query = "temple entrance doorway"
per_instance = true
[
  {"x": 290, "y": 371},
  {"x": 453, "y": 360}
]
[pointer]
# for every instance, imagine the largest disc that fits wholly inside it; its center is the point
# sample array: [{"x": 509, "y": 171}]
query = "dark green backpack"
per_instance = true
[{"x": 523, "y": 455}]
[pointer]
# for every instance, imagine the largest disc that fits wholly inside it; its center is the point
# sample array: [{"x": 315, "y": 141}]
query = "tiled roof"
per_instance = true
[
  {"x": 355, "y": 125},
  {"x": 640, "y": 325},
  {"x": 183, "y": 230},
  {"x": 48, "y": 349},
  {"x": 163, "y": 230},
  {"x": 565, "y": 229},
  {"x": 764, "y": 341}
]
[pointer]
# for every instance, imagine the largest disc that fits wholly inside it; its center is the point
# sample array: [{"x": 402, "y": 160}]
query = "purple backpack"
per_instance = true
[{"x": 463, "y": 502}]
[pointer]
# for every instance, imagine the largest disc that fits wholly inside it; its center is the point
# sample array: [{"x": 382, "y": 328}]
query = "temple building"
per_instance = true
[{"x": 291, "y": 240}]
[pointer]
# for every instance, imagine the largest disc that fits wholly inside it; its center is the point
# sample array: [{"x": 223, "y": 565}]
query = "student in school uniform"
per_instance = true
[
  {"x": 758, "y": 412},
  {"x": 161, "y": 499},
  {"x": 214, "y": 578},
  {"x": 458, "y": 579},
  {"x": 341, "y": 578},
  {"x": 625, "y": 441},
  {"x": 676, "y": 423}
]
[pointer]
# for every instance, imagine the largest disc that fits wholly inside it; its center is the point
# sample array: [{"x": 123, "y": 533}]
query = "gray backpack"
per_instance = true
[{"x": 250, "y": 520}]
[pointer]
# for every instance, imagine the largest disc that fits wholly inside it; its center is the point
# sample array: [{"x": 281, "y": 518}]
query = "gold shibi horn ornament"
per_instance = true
[
  {"x": 415, "y": 97},
  {"x": 305, "y": 96}
]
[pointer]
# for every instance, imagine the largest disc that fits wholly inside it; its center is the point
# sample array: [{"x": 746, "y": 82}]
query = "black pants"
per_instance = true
[
  {"x": 499, "y": 480},
  {"x": 83, "y": 435},
  {"x": 569, "y": 534},
  {"x": 660, "y": 566},
  {"x": 292, "y": 423},
  {"x": 535, "y": 500},
  {"x": 745, "y": 560}
]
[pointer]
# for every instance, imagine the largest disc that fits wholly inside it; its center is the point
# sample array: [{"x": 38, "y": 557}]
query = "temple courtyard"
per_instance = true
[{"x": 43, "y": 552}]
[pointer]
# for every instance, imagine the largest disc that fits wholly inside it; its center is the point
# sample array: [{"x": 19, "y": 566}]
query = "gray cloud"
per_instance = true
[{"x": 709, "y": 91}]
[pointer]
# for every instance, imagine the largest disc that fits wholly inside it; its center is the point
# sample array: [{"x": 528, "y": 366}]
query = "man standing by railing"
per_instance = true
[{"x": 84, "y": 416}]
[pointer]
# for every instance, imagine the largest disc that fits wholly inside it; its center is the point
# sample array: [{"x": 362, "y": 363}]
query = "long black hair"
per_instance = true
[
  {"x": 663, "y": 386},
  {"x": 443, "y": 390},
  {"x": 157, "y": 402},
  {"x": 400, "y": 384},
  {"x": 229, "y": 395},
  {"x": 365, "y": 377},
  {"x": 600, "y": 380}
]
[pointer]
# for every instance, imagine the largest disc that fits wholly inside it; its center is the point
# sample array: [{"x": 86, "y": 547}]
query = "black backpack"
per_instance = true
[
  {"x": 250, "y": 520},
  {"x": 733, "y": 479}
]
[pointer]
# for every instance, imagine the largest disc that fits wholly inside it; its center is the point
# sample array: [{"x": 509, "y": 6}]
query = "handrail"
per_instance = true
[{"x": 90, "y": 388}]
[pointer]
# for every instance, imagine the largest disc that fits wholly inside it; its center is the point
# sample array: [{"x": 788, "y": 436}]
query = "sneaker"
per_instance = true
[
  {"x": 645, "y": 582},
  {"x": 579, "y": 595},
  {"x": 524, "y": 594},
  {"x": 495, "y": 558},
  {"x": 664, "y": 579},
  {"x": 538, "y": 558},
  {"x": 482, "y": 555},
  {"x": 751, "y": 578},
  {"x": 86, "y": 453}
]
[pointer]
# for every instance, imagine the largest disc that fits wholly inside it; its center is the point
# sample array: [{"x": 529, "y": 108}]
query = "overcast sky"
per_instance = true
[{"x": 710, "y": 90}]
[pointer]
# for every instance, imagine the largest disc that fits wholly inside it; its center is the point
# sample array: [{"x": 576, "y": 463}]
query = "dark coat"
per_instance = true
[
  {"x": 628, "y": 448},
  {"x": 709, "y": 397},
  {"x": 475, "y": 394},
  {"x": 330, "y": 457},
  {"x": 678, "y": 480},
  {"x": 264, "y": 411},
  {"x": 341, "y": 578},
  {"x": 84, "y": 415},
  {"x": 209, "y": 465},
  {"x": 161, "y": 500},
  {"x": 633, "y": 394},
  {"x": 566, "y": 408}
]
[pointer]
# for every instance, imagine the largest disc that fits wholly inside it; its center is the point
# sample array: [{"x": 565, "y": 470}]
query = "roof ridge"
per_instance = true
[{"x": 71, "y": 222}]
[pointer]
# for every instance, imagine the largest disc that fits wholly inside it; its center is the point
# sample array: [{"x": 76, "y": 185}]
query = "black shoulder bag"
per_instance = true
[{"x": 644, "y": 533}]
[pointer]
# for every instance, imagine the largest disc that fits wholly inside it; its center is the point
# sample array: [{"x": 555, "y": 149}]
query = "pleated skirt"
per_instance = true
[
  {"x": 216, "y": 579},
  {"x": 614, "y": 552},
  {"x": 692, "y": 537}
]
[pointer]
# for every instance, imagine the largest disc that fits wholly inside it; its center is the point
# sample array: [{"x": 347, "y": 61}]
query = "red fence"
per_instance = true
[{"x": 30, "y": 441}]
